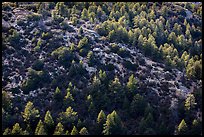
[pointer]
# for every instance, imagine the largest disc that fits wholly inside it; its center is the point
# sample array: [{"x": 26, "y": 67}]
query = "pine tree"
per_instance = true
[
  {"x": 67, "y": 132},
  {"x": 163, "y": 130},
  {"x": 7, "y": 131},
  {"x": 79, "y": 124},
  {"x": 17, "y": 130},
  {"x": 149, "y": 120},
  {"x": 31, "y": 115},
  {"x": 92, "y": 107},
  {"x": 59, "y": 130},
  {"x": 148, "y": 110},
  {"x": 49, "y": 123},
  {"x": 74, "y": 131},
  {"x": 58, "y": 95},
  {"x": 80, "y": 31},
  {"x": 126, "y": 103},
  {"x": 196, "y": 127},
  {"x": 115, "y": 85},
  {"x": 101, "y": 117},
  {"x": 132, "y": 83},
  {"x": 84, "y": 14},
  {"x": 116, "y": 92},
  {"x": 112, "y": 36},
  {"x": 113, "y": 125},
  {"x": 68, "y": 117},
  {"x": 100, "y": 12},
  {"x": 142, "y": 125},
  {"x": 102, "y": 75},
  {"x": 101, "y": 120},
  {"x": 190, "y": 102},
  {"x": 40, "y": 129},
  {"x": 83, "y": 43},
  {"x": 6, "y": 101},
  {"x": 137, "y": 106},
  {"x": 182, "y": 128},
  {"x": 83, "y": 131},
  {"x": 131, "y": 36},
  {"x": 68, "y": 100}
]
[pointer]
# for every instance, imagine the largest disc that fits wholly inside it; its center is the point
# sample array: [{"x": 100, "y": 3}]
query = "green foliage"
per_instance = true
[
  {"x": 6, "y": 101},
  {"x": 38, "y": 65},
  {"x": 182, "y": 128},
  {"x": 74, "y": 20},
  {"x": 118, "y": 35},
  {"x": 68, "y": 100},
  {"x": 48, "y": 122},
  {"x": 163, "y": 129},
  {"x": 34, "y": 80},
  {"x": 17, "y": 130},
  {"x": 148, "y": 109},
  {"x": 59, "y": 130},
  {"x": 146, "y": 124},
  {"x": 68, "y": 117},
  {"x": 7, "y": 6},
  {"x": 91, "y": 58},
  {"x": 194, "y": 69},
  {"x": 123, "y": 53},
  {"x": 132, "y": 83},
  {"x": 63, "y": 55},
  {"x": 83, "y": 43},
  {"x": 190, "y": 102},
  {"x": 40, "y": 129},
  {"x": 83, "y": 131},
  {"x": 30, "y": 114},
  {"x": 137, "y": 105},
  {"x": 34, "y": 17},
  {"x": 74, "y": 131},
  {"x": 47, "y": 35},
  {"x": 58, "y": 95},
  {"x": 101, "y": 120},
  {"x": 7, "y": 131},
  {"x": 161, "y": 31},
  {"x": 100, "y": 13},
  {"x": 116, "y": 93},
  {"x": 14, "y": 39},
  {"x": 102, "y": 75},
  {"x": 80, "y": 31},
  {"x": 61, "y": 9},
  {"x": 113, "y": 125},
  {"x": 114, "y": 48},
  {"x": 66, "y": 26},
  {"x": 115, "y": 85},
  {"x": 196, "y": 127},
  {"x": 84, "y": 14}
]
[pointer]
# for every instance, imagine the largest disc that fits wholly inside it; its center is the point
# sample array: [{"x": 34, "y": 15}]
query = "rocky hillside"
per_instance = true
[{"x": 56, "y": 57}]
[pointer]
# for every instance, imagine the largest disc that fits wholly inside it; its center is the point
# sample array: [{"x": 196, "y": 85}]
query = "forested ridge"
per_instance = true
[{"x": 101, "y": 68}]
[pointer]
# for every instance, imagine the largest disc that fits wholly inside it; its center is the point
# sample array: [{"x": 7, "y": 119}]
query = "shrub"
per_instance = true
[
  {"x": 7, "y": 6},
  {"x": 83, "y": 43},
  {"x": 47, "y": 35},
  {"x": 58, "y": 20},
  {"x": 14, "y": 39},
  {"x": 38, "y": 65},
  {"x": 64, "y": 56},
  {"x": 114, "y": 48},
  {"x": 129, "y": 65},
  {"x": 34, "y": 17},
  {"x": 123, "y": 53},
  {"x": 35, "y": 79},
  {"x": 83, "y": 52},
  {"x": 21, "y": 22}
]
